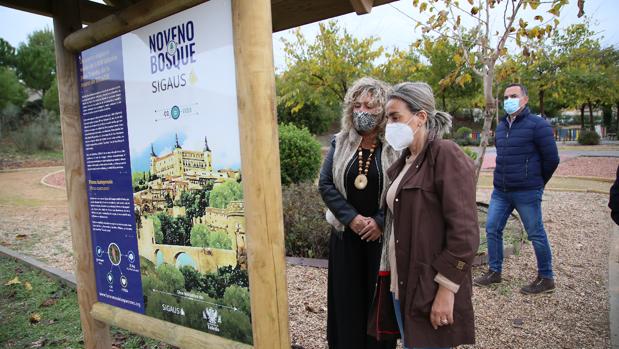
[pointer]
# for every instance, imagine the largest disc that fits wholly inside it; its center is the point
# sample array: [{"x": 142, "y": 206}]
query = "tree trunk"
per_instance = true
[
  {"x": 582, "y": 117},
  {"x": 541, "y": 103},
  {"x": 444, "y": 104},
  {"x": 489, "y": 114},
  {"x": 591, "y": 123},
  {"x": 617, "y": 120}
]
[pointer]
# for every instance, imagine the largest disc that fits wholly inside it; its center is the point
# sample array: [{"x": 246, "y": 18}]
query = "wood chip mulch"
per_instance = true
[{"x": 576, "y": 315}]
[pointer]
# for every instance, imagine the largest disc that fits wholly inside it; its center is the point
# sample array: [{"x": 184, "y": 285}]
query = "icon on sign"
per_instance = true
[
  {"x": 110, "y": 278},
  {"x": 171, "y": 48},
  {"x": 123, "y": 281},
  {"x": 175, "y": 112},
  {"x": 131, "y": 256}
]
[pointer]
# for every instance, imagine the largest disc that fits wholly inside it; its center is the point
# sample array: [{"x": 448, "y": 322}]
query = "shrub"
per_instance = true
[
  {"x": 470, "y": 153},
  {"x": 170, "y": 277},
  {"x": 307, "y": 231},
  {"x": 41, "y": 134},
  {"x": 202, "y": 236},
  {"x": 588, "y": 138},
  {"x": 299, "y": 154},
  {"x": 238, "y": 297},
  {"x": 463, "y": 133}
]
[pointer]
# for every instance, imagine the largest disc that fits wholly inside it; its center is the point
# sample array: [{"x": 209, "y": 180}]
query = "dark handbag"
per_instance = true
[{"x": 382, "y": 323}]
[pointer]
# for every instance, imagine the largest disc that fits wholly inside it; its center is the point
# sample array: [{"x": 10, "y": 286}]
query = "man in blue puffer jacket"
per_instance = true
[{"x": 526, "y": 158}]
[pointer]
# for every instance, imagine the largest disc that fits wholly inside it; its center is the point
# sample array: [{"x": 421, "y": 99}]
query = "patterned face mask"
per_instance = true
[{"x": 364, "y": 121}]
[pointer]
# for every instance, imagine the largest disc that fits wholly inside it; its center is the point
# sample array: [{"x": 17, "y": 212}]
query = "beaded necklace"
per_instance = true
[{"x": 362, "y": 178}]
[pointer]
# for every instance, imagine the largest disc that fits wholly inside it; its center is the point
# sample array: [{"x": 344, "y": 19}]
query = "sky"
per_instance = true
[{"x": 391, "y": 23}]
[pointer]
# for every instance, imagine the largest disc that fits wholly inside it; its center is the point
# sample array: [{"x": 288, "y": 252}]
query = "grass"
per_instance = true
[
  {"x": 54, "y": 305},
  {"x": 8, "y": 151}
]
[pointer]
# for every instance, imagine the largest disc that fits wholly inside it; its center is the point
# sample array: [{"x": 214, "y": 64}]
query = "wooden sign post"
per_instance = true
[{"x": 260, "y": 162}]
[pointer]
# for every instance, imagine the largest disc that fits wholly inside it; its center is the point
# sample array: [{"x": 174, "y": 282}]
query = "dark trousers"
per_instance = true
[{"x": 353, "y": 272}]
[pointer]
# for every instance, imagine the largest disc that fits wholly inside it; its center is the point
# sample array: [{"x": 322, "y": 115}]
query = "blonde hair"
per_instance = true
[{"x": 378, "y": 91}]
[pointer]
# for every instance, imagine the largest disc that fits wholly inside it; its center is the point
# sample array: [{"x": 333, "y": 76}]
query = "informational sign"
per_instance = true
[{"x": 163, "y": 168}]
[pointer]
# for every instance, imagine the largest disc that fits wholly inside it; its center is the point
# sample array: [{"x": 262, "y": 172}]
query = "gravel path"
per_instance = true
[
  {"x": 575, "y": 316},
  {"x": 589, "y": 167}
]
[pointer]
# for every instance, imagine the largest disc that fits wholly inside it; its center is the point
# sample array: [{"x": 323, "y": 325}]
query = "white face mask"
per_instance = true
[{"x": 399, "y": 135}]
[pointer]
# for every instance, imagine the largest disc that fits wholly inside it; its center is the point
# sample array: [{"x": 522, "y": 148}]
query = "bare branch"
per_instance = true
[
  {"x": 505, "y": 35},
  {"x": 465, "y": 50}
]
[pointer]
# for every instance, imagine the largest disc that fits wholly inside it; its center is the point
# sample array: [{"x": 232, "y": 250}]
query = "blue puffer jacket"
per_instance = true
[{"x": 526, "y": 153}]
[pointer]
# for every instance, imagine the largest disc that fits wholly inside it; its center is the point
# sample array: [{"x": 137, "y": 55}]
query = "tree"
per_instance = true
[
  {"x": 199, "y": 235},
  {"x": 12, "y": 96},
  {"x": 11, "y": 90},
  {"x": 7, "y": 54},
  {"x": 585, "y": 67},
  {"x": 238, "y": 297},
  {"x": 50, "y": 99},
  {"x": 224, "y": 193},
  {"x": 193, "y": 278},
  {"x": 483, "y": 46},
  {"x": 450, "y": 80},
  {"x": 171, "y": 279},
  {"x": 35, "y": 62},
  {"x": 320, "y": 72}
]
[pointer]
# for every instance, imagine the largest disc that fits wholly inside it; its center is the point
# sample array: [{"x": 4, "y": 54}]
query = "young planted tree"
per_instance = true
[{"x": 481, "y": 45}]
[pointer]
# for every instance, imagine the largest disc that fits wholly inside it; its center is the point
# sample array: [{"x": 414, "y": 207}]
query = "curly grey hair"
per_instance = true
[
  {"x": 418, "y": 96},
  {"x": 378, "y": 91}
]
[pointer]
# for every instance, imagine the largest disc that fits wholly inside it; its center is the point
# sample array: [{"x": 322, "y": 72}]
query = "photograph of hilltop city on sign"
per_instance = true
[{"x": 191, "y": 239}]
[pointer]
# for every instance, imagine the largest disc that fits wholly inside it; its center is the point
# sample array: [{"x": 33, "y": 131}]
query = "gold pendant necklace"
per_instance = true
[{"x": 362, "y": 178}]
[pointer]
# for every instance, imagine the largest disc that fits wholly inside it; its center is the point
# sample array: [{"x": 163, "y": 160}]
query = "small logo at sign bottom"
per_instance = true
[{"x": 213, "y": 318}]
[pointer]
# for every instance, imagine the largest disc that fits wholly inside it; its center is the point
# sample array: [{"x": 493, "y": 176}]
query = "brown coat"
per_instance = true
[{"x": 436, "y": 231}]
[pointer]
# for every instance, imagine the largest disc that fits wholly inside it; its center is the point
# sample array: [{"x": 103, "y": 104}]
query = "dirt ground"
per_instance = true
[{"x": 34, "y": 221}]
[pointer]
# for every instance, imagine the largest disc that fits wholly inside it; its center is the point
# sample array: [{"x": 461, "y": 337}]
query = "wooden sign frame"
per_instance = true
[{"x": 255, "y": 78}]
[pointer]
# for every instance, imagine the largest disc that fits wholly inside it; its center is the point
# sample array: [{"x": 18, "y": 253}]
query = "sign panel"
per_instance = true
[{"x": 163, "y": 168}]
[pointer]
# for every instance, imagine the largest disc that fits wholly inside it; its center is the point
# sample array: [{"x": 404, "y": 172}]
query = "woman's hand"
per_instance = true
[
  {"x": 358, "y": 223},
  {"x": 442, "y": 308},
  {"x": 371, "y": 232}
]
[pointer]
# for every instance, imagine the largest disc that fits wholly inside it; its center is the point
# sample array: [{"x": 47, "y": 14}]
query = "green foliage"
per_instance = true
[
  {"x": 199, "y": 235},
  {"x": 299, "y": 154},
  {"x": 202, "y": 236},
  {"x": 320, "y": 72},
  {"x": 139, "y": 180},
  {"x": 7, "y": 54},
  {"x": 588, "y": 138},
  {"x": 224, "y": 193},
  {"x": 317, "y": 118},
  {"x": 236, "y": 325},
  {"x": 170, "y": 278},
  {"x": 157, "y": 228},
  {"x": 36, "y": 63},
  {"x": 193, "y": 278},
  {"x": 463, "y": 133},
  {"x": 50, "y": 99},
  {"x": 196, "y": 202},
  {"x": 215, "y": 284},
  {"x": 42, "y": 134},
  {"x": 470, "y": 153},
  {"x": 238, "y": 297},
  {"x": 307, "y": 231},
  {"x": 11, "y": 90},
  {"x": 175, "y": 231}
]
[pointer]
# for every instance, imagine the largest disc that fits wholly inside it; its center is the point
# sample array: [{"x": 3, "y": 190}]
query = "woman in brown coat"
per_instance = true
[{"x": 434, "y": 234}]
